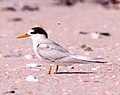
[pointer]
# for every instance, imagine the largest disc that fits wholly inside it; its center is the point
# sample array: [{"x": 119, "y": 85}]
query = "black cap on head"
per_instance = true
[{"x": 39, "y": 30}]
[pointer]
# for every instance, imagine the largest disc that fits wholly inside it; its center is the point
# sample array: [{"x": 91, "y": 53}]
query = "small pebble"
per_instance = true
[
  {"x": 118, "y": 58},
  {"x": 28, "y": 56},
  {"x": 12, "y": 9},
  {"x": 65, "y": 2},
  {"x": 6, "y": 72},
  {"x": 69, "y": 75},
  {"x": 109, "y": 63},
  {"x": 85, "y": 81},
  {"x": 113, "y": 76},
  {"x": 94, "y": 77},
  {"x": 6, "y": 77},
  {"x": 95, "y": 35},
  {"x": 107, "y": 93},
  {"x": 13, "y": 69},
  {"x": 83, "y": 46},
  {"x": 30, "y": 8},
  {"x": 32, "y": 65},
  {"x": 96, "y": 81},
  {"x": 58, "y": 23},
  {"x": 82, "y": 32},
  {"x": 88, "y": 49},
  {"x": 117, "y": 83},
  {"x": 31, "y": 78},
  {"x": 81, "y": 69},
  {"x": 44, "y": 68},
  {"x": 93, "y": 69},
  {"x": 6, "y": 65},
  {"x": 72, "y": 67},
  {"x": 12, "y": 91},
  {"x": 105, "y": 34}
]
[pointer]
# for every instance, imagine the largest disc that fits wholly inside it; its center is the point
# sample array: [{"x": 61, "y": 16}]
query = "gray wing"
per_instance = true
[{"x": 52, "y": 51}]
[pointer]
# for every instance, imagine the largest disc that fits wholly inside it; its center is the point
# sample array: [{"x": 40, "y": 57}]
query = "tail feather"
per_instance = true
[{"x": 83, "y": 60}]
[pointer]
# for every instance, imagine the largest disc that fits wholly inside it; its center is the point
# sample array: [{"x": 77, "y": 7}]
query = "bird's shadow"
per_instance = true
[{"x": 75, "y": 72}]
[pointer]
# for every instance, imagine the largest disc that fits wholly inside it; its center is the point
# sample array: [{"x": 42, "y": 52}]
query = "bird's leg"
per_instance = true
[
  {"x": 50, "y": 69},
  {"x": 56, "y": 70}
]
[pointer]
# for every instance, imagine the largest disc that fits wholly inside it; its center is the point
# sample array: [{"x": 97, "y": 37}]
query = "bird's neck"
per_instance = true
[{"x": 36, "y": 39}]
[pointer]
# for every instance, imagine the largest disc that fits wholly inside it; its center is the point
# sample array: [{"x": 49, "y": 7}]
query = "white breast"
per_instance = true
[
  {"x": 35, "y": 50},
  {"x": 36, "y": 40}
]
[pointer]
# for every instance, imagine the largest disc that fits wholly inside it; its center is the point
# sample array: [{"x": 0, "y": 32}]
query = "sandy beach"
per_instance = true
[{"x": 87, "y": 29}]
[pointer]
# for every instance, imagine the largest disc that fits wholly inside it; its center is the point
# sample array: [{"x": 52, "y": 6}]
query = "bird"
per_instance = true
[{"x": 51, "y": 52}]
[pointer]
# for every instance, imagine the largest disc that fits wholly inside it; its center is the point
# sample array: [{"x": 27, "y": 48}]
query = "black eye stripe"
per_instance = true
[{"x": 35, "y": 33}]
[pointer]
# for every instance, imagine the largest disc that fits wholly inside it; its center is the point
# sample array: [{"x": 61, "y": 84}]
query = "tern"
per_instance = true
[{"x": 53, "y": 53}]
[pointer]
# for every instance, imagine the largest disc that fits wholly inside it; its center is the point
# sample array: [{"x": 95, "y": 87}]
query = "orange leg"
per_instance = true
[
  {"x": 50, "y": 70},
  {"x": 56, "y": 70}
]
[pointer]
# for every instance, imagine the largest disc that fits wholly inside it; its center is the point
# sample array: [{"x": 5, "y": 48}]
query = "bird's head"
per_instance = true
[{"x": 35, "y": 31}]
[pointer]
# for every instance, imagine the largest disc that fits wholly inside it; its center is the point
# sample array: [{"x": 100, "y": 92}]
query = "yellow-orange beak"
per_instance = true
[{"x": 23, "y": 36}]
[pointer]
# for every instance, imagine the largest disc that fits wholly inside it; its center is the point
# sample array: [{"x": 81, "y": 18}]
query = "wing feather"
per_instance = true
[{"x": 52, "y": 51}]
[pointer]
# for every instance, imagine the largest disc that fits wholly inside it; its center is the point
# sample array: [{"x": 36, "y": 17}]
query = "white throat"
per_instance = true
[{"x": 37, "y": 38}]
